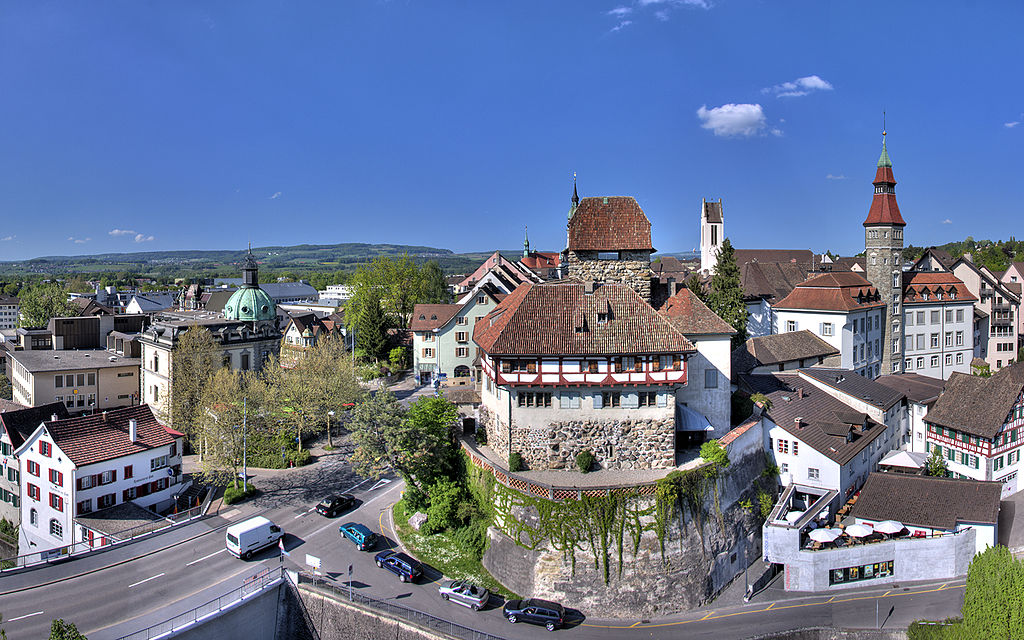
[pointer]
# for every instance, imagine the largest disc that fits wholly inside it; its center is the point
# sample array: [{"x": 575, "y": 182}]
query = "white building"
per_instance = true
[
  {"x": 9, "y": 311},
  {"x": 938, "y": 325},
  {"x": 712, "y": 228},
  {"x": 76, "y": 466},
  {"x": 442, "y": 337},
  {"x": 844, "y": 310},
  {"x": 921, "y": 393}
]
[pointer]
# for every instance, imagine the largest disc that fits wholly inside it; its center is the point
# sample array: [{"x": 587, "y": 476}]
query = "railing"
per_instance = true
[
  {"x": 122, "y": 537},
  {"x": 549, "y": 491},
  {"x": 250, "y": 586},
  {"x": 874, "y": 538},
  {"x": 393, "y": 609}
]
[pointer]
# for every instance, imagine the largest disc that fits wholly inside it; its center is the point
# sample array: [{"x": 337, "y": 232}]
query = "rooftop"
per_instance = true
[
  {"x": 934, "y": 286},
  {"x": 22, "y": 421},
  {"x": 917, "y": 388},
  {"x": 46, "y": 360},
  {"x": 613, "y": 223},
  {"x": 121, "y": 518},
  {"x": 691, "y": 316},
  {"x": 842, "y": 291},
  {"x": 855, "y": 385},
  {"x": 939, "y": 503},
  {"x": 427, "y": 317},
  {"x": 104, "y": 436},
  {"x": 778, "y": 348},
  {"x": 978, "y": 406}
]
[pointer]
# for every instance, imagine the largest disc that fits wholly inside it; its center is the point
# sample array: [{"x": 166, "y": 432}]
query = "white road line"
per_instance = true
[
  {"x": 380, "y": 483},
  {"x": 304, "y": 513},
  {"x": 205, "y": 557},
  {"x": 27, "y": 615},
  {"x": 146, "y": 580}
]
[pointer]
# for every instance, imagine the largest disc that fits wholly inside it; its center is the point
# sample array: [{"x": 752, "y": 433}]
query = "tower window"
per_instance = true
[{"x": 608, "y": 255}]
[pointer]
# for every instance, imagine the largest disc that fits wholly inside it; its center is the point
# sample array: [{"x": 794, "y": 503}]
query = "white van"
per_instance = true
[{"x": 246, "y": 538}]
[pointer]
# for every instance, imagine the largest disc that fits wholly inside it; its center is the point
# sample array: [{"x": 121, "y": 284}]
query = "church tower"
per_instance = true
[
  {"x": 883, "y": 250},
  {"x": 712, "y": 229}
]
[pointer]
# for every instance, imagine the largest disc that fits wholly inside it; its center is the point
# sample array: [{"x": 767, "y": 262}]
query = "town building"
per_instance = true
[
  {"x": 844, "y": 310},
  {"x": 75, "y": 466},
  {"x": 91, "y": 331},
  {"x": 1001, "y": 303},
  {"x": 10, "y": 312},
  {"x": 442, "y": 337},
  {"x": 977, "y": 426},
  {"x": 921, "y": 393},
  {"x": 498, "y": 271},
  {"x": 547, "y": 265},
  {"x": 712, "y": 233},
  {"x": 938, "y": 335},
  {"x": 783, "y": 352},
  {"x": 571, "y": 366},
  {"x": 303, "y": 332},
  {"x": 85, "y": 380},
  {"x": 16, "y": 424},
  {"x": 247, "y": 334},
  {"x": 1013, "y": 277},
  {"x": 764, "y": 285}
]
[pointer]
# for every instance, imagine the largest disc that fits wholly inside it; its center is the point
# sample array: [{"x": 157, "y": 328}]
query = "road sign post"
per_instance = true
[{"x": 350, "y": 583}]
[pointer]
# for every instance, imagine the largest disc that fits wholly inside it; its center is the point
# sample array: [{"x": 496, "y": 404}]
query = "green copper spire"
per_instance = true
[{"x": 883, "y": 160}]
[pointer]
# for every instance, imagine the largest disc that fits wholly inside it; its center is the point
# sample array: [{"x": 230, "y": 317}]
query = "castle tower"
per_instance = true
[
  {"x": 883, "y": 247},
  {"x": 712, "y": 232}
]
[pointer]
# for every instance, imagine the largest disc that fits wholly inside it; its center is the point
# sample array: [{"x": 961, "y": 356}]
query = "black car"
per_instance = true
[
  {"x": 406, "y": 568},
  {"x": 544, "y": 612},
  {"x": 334, "y": 505}
]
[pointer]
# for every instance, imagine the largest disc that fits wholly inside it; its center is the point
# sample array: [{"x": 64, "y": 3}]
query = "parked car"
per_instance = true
[
  {"x": 406, "y": 568},
  {"x": 246, "y": 538},
  {"x": 465, "y": 593},
  {"x": 334, "y": 505},
  {"x": 544, "y": 612},
  {"x": 363, "y": 538}
]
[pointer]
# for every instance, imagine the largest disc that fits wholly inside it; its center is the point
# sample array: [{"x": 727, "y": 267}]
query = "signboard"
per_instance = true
[{"x": 313, "y": 562}]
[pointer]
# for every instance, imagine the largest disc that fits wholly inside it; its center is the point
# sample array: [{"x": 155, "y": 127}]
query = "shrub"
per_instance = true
[
  {"x": 398, "y": 358},
  {"x": 472, "y": 537},
  {"x": 715, "y": 453},
  {"x": 481, "y": 434},
  {"x": 515, "y": 462},
  {"x": 415, "y": 499},
  {"x": 299, "y": 458},
  {"x": 233, "y": 494},
  {"x": 766, "y": 502},
  {"x": 442, "y": 514},
  {"x": 584, "y": 460}
]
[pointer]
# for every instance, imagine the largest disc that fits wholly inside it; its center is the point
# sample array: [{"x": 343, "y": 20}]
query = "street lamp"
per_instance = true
[
  {"x": 245, "y": 469},
  {"x": 330, "y": 420}
]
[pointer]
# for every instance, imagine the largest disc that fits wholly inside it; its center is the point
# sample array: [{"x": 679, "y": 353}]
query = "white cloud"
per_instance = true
[
  {"x": 7, "y": 238},
  {"x": 661, "y": 14},
  {"x": 703, "y": 4},
  {"x": 835, "y": 177},
  {"x": 141, "y": 237},
  {"x": 121, "y": 232},
  {"x": 78, "y": 240},
  {"x": 622, "y": 25},
  {"x": 1010, "y": 125},
  {"x": 947, "y": 221},
  {"x": 619, "y": 12},
  {"x": 276, "y": 195},
  {"x": 662, "y": 10},
  {"x": 734, "y": 119},
  {"x": 798, "y": 87}
]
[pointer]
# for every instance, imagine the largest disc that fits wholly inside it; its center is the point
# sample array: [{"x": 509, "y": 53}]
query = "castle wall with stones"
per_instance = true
[{"x": 633, "y": 269}]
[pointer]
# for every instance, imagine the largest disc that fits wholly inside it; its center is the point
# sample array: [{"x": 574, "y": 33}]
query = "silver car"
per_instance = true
[{"x": 465, "y": 593}]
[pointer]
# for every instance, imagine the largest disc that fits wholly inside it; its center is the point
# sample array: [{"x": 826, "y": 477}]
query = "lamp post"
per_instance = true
[
  {"x": 330, "y": 421},
  {"x": 245, "y": 469}
]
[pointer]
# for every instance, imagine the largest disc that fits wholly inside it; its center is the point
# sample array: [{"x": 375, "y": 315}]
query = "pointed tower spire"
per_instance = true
[
  {"x": 575, "y": 197},
  {"x": 526, "y": 241}
]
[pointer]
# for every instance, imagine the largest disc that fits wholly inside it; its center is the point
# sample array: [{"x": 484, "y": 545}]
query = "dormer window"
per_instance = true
[{"x": 602, "y": 318}]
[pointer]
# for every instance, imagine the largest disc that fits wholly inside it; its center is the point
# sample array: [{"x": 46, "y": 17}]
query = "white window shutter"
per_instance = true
[
  {"x": 630, "y": 400},
  {"x": 662, "y": 399},
  {"x": 575, "y": 401},
  {"x": 597, "y": 400},
  {"x": 564, "y": 401}
]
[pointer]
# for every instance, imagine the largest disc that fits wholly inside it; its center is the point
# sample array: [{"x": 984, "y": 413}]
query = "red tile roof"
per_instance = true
[
  {"x": 560, "y": 318},
  {"x": 427, "y": 317},
  {"x": 835, "y": 291},
  {"x": 691, "y": 316},
  {"x": 918, "y": 283},
  {"x": 614, "y": 223},
  {"x": 542, "y": 260},
  {"x": 884, "y": 209},
  {"x": 104, "y": 436}
]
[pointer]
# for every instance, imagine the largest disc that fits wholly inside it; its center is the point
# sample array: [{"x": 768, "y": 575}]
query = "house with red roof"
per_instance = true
[
  {"x": 442, "y": 346},
  {"x": 77, "y": 466},
  {"x": 938, "y": 335},
  {"x": 844, "y": 310}
]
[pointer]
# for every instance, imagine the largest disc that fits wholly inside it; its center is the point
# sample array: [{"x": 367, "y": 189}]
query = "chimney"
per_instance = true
[
  {"x": 588, "y": 286},
  {"x": 968, "y": 257},
  {"x": 53, "y": 417},
  {"x": 104, "y": 416},
  {"x": 800, "y": 393},
  {"x": 798, "y": 422},
  {"x": 132, "y": 431}
]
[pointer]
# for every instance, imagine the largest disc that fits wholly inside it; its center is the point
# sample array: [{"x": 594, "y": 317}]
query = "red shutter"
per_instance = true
[
  {"x": 78, "y": 484},
  {"x": 60, "y": 479},
  {"x": 113, "y": 475},
  {"x": 97, "y": 479}
]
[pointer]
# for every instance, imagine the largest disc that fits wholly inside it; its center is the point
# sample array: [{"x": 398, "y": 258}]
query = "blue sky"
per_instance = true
[{"x": 197, "y": 125}]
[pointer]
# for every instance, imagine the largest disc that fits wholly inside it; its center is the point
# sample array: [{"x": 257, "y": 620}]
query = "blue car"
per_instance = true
[{"x": 363, "y": 538}]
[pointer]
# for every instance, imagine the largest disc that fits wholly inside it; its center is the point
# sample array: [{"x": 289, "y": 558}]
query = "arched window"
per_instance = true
[
  {"x": 56, "y": 530},
  {"x": 462, "y": 371},
  {"x": 33, "y": 517}
]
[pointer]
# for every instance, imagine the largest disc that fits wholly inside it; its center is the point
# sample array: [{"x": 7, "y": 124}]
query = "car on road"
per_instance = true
[
  {"x": 465, "y": 593},
  {"x": 542, "y": 612},
  {"x": 334, "y": 505},
  {"x": 363, "y": 538},
  {"x": 246, "y": 538},
  {"x": 405, "y": 567}
]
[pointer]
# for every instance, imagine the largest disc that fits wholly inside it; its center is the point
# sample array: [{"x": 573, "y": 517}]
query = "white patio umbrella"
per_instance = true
[
  {"x": 825, "y": 535},
  {"x": 858, "y": 530},
  {"x": 889, "y": 526}
]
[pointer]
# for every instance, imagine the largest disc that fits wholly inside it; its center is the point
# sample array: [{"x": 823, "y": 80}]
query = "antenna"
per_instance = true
[{"x": 883, "y": 124}]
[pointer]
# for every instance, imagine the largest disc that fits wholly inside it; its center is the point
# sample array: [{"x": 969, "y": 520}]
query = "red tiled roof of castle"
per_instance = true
[
  {"x": 562, "y": 319},
  {"x": 615, "y": 223},
  {"x": 835, "y": 291},
  {"x": 918, "y": 283},
  {"x": 104, "y": 436}
]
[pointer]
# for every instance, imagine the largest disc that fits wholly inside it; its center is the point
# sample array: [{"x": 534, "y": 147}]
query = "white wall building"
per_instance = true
[{"x": 938, "y": 324}]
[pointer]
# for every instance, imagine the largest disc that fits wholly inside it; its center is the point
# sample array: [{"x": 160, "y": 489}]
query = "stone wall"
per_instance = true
[
  {"x": 699, "y": 561},
  {"x": 618, "y": 444},
  {"x": 633, "y": 269},
  {"x": 497, "y": 432}
]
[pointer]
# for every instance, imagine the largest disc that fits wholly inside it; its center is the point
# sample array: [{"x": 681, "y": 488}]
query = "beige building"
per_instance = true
[
  {"x": 82, "y": 380},
  {"x": 999, "y": 303}
]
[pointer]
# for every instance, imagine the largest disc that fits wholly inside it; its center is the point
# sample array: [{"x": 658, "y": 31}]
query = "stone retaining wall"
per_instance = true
[
  {"x": 617, "y": 444},
  {"x": 632, "y": 270}
]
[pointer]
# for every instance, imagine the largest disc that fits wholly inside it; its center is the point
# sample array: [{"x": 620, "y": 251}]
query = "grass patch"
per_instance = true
[
  {"x": 234, "y": 494},
  {"x": 440, "y": 551}
]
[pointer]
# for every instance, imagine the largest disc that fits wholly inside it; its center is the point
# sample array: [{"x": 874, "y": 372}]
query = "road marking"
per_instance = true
[
  {"x": 769, "y": 607},
  {"x": 27, "y": 615},
  {"x": 707, "y": 616},
  {"x": 205, "y": 557},
  {"x": 886, "y": 593},
  {"x": 829, "y": 600},
  {"x": 304, "y": 513},
  {"x": 380, "y": 483},
  {"x": 146, "y": 580}
]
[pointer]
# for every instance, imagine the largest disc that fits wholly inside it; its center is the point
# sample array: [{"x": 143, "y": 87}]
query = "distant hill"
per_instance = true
[{"x": 996, "y": 255}]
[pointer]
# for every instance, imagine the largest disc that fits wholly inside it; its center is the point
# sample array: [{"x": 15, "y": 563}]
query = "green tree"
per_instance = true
[
  {"x": 725, "y": 296},
  {"x": 60, "y": 630},
  {"x": 994, "y": 597},
  {"x": 194, "y": 360},
  {"x": 323, "y": 380},
  {"x": 714, "y": 452},
  {"x": 694, "y": 284},
  {"x": 371, "y": 329},
  {"x": 219, "y": 436},
  {"x": 6, "y": 390},
  {"x": 418, "y": 443},
  {"x": 41, "y": 302},
  {"x": 433, "y": 286},
  {"x": 936, "y": 465}
]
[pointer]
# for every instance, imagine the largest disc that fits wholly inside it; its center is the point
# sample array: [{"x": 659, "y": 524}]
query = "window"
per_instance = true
[
  {"x": 949, "y": 338},
  {"x": 56, "y": 530},
  {"x": 56, "y": 502},
  {"x": 602, "y": 317},
  {"x": 790, "y": 325},
  {"x": 827, "y": 329},
  {"x": 461, "y": 352},
  {"x": 33, "y": 468},
  {"x": 592, "y": 366},
  {"x": 58, "y": 381},
  {"x": 45, "y": 449},
  {"x": 481, "y": 299},
  {"x": 569, "y": 400},
  {"x": 920, "y": 363},
  {"x": 108, "y": 500},
  {"x": 462, "y": 320},
  {"x": 126, "y": 374},
  {"x": 85, "y": 482},
  {"x": 158, "y": 463},
  {"x": 648, "y": 398},
  {"x": 949, "y": 315},
  {"x": 156, "y": 393},
  {"x": 813, "y": 474},
  {"x": 532, "y": 399},
  {"x": 108, "y": 476},
  {"x": 428, "y": 337},
  {"x": 949, "y": 358},
  {"x": 13, "y": 475},
  {"x": 33, "y": 491},
  {"x": 156, "y": 362},
  {"x": 245, "y": 362},
  {"x": 796, "y": 447},
  {"x": 935, "y": 316},
  {"x": 935, "y": 340},
  {"x": 611, "y": 399},
  {"x": 33, "y": 518},
  {"x": 959, "y": 315},
  {"x": 128, "y": 494},
  {"x": 959, "y": 358},
  {"x": 69, "y": 380},
  {"x": 959, "y": 338},
  {"x": 907, "y": 364},
  {"x": 935, "y": 361},
  {"x": 461, "y": 336},
  {"x": 428, "y": 352},
  {"x": 711, "y": 378},
  {"x": 784, "y": 467},
  {"x": 782, "y": 445},
  {"x": 83, "y": 507},
  {"x": 920, "y": 317}
]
